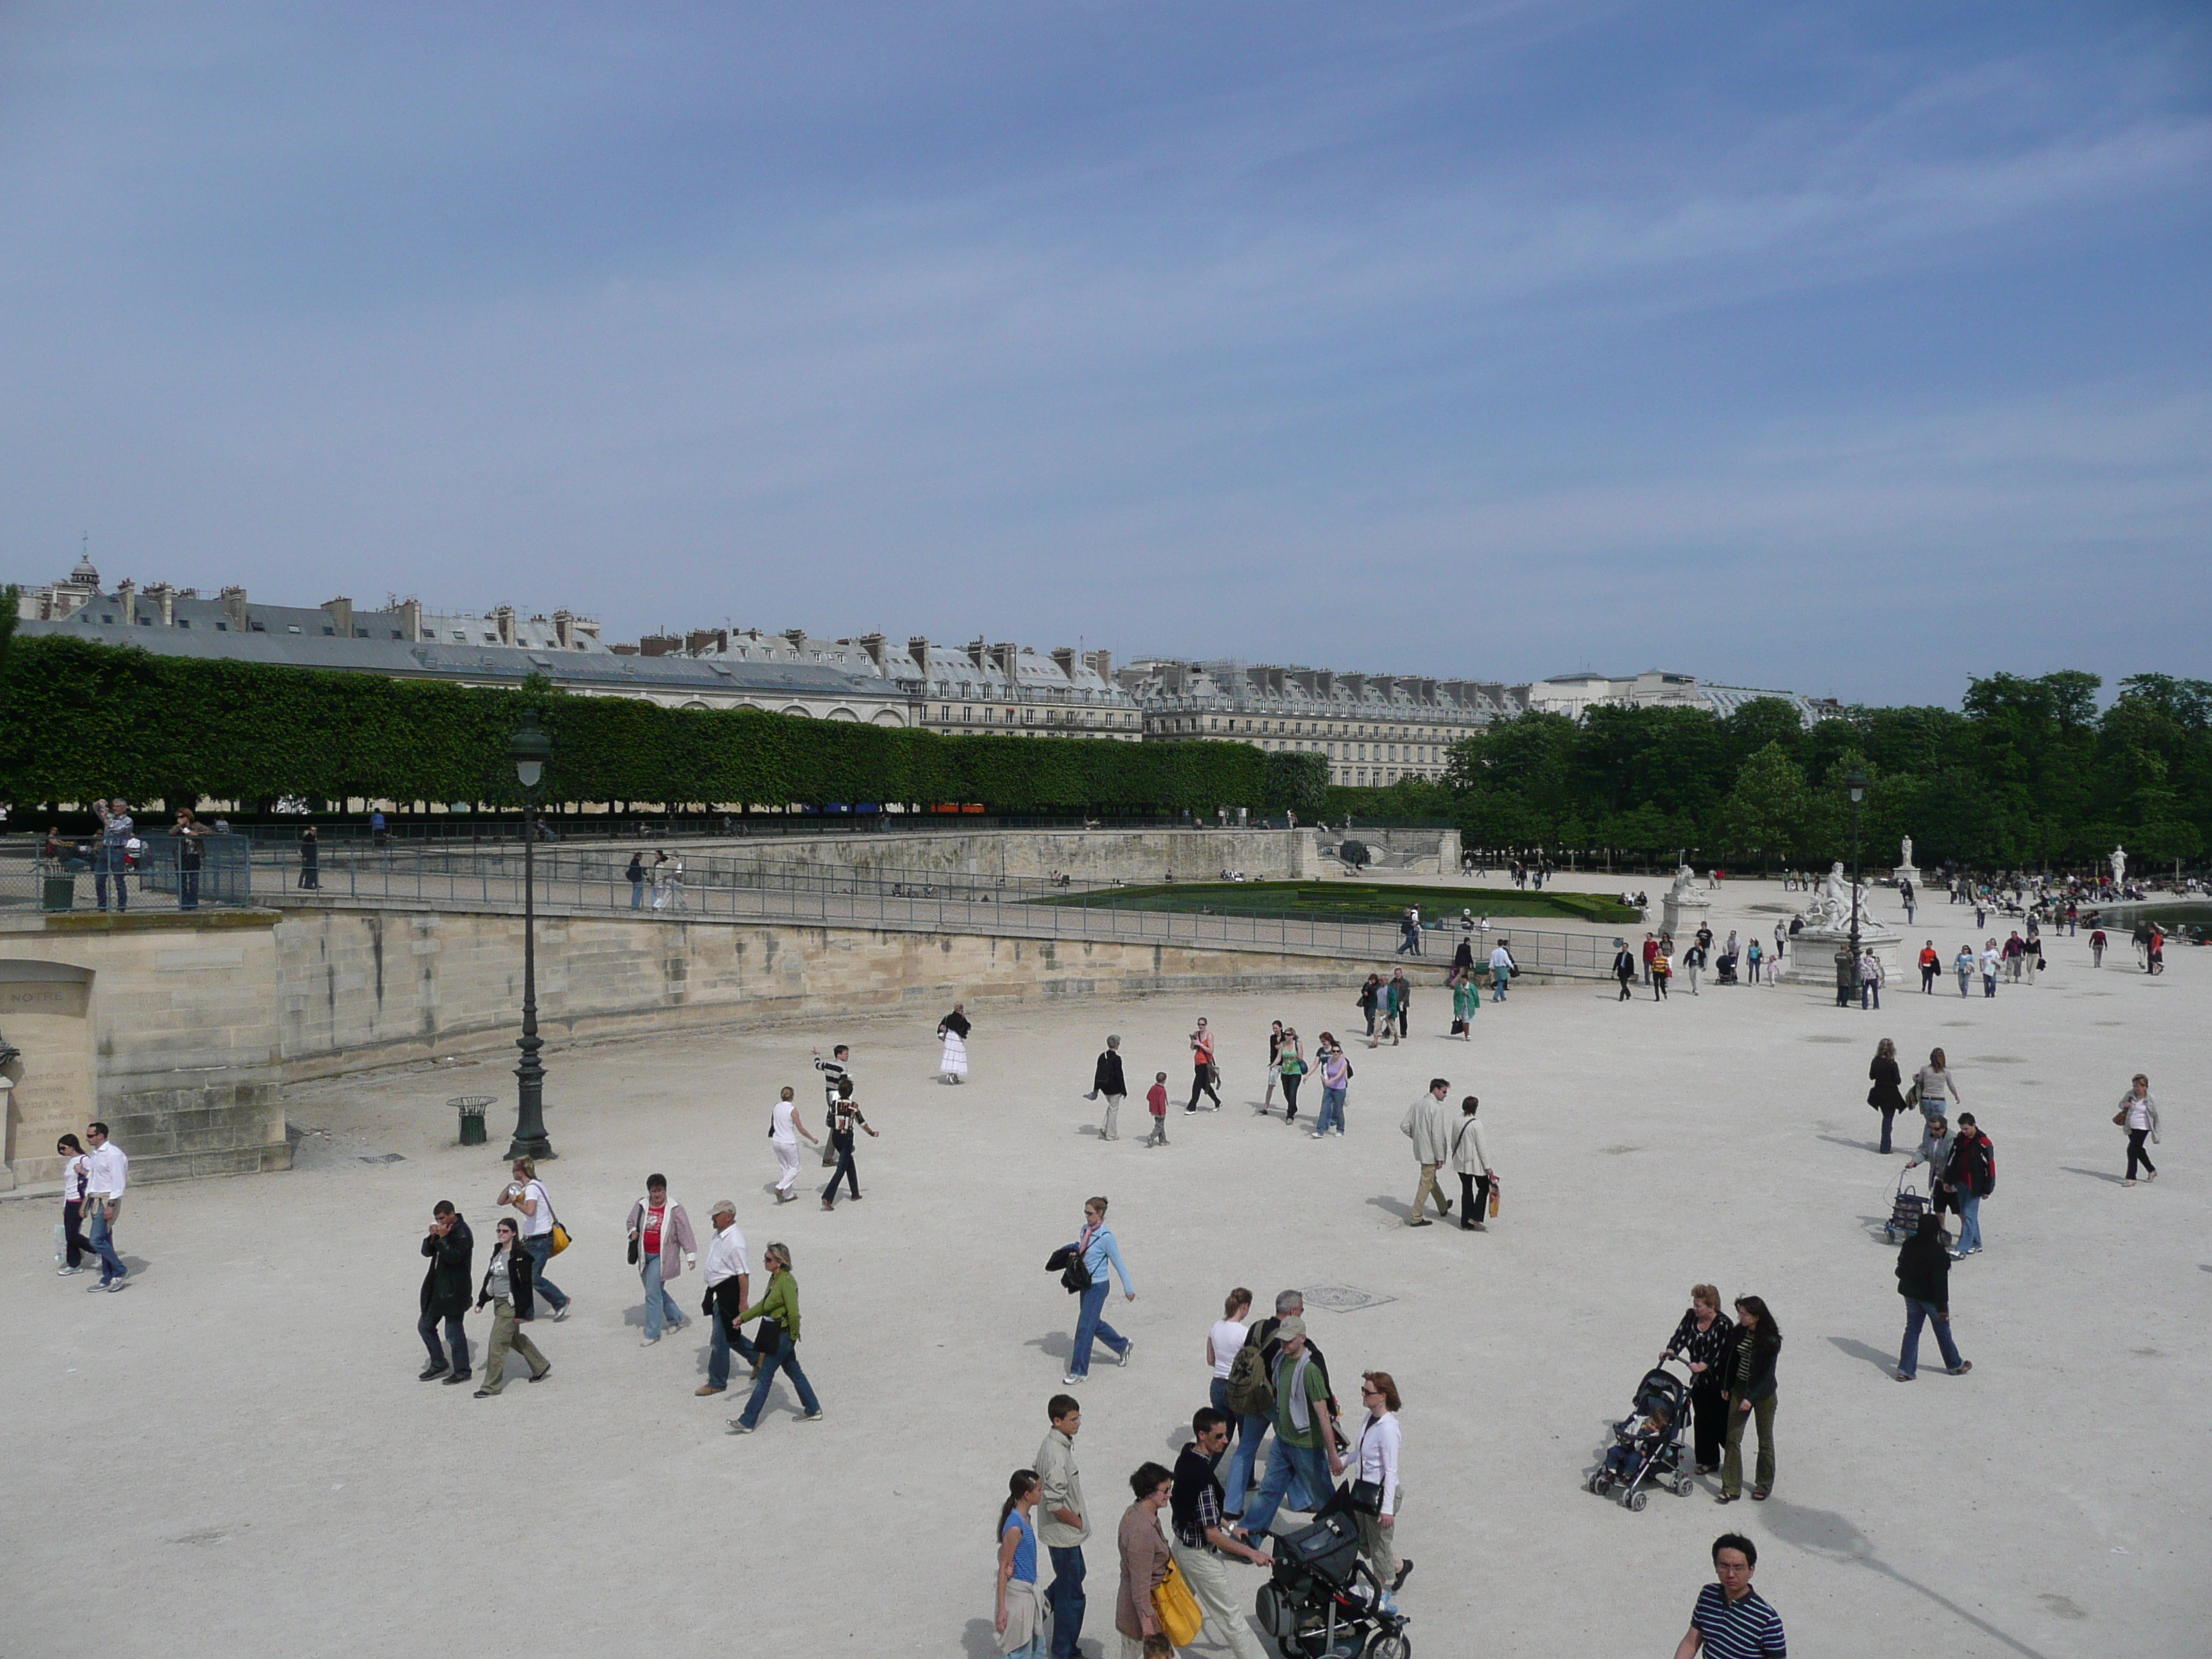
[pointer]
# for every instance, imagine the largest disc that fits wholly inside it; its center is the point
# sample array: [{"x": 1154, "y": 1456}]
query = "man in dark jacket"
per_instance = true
[
  {"x": 446, "y": 1286},
  {"x": 1624, "y": 967},
  {"x": 1971, "y": 1175},
  {"x": 1923, "y": 1280},
  {"x": 1107, "y": 1080}
]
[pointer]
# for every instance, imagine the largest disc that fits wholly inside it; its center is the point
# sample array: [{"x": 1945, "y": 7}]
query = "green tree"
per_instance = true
[{"x": 1765, "y": 812}]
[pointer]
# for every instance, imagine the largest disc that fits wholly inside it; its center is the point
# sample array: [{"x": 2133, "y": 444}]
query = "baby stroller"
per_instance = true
[
  {"x": 1906, "y": 1207},
  {"x": 1322, "y": 1601},
  {"x": 1639, "y": 1456},
  {"x": 1724, "y": 970}
]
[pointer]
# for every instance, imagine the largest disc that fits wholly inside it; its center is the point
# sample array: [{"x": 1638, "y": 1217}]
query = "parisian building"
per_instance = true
[
  {"x": 403, "y": 641},
  {"x": 1373, "y": 728},
  {"x": 1575, "y": 694},
  {"x": 1000, "y": 690}
]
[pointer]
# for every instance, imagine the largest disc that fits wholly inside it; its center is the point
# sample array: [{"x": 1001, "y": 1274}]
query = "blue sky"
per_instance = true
[{"x": 1850, "y": 348}]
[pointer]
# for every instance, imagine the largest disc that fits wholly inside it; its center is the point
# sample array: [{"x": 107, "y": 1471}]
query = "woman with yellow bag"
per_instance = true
[{"x": 1145, "y": 1568}]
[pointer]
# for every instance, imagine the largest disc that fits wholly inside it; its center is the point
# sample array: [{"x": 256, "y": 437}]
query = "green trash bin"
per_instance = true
[
  {"x": 58, "y": 893},
  {"x": 472, "y": 1109}
]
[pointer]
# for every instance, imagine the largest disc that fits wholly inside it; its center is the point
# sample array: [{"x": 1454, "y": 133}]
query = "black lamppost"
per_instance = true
[
  {"x": 1857, "y": 784},
  {"x": 528, "y": 749}
]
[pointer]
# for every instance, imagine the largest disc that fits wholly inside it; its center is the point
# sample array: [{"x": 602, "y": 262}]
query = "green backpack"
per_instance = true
[{"x": 1250, "y": 1393}]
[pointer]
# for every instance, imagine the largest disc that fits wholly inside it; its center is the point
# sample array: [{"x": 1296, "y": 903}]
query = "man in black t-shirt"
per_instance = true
[{"x": 1202, "y": 1537}]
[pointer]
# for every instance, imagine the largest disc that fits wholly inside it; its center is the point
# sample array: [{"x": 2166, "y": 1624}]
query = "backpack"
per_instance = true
[
  {"x": 1988, "y": 1168},
  {"x": 1250, "y": 1393}
]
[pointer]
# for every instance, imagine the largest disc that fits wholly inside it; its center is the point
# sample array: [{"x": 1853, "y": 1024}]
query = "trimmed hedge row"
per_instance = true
[{"x": 79, "y": 719}]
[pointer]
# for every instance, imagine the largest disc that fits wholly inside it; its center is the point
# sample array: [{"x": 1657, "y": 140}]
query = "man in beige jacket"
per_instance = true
[{"x": 1429, "y": 1127}]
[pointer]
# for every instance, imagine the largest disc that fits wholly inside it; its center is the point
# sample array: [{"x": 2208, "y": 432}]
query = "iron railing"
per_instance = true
[
  {"x": 702, "y": 887},
  {"x": 159, "y": 877}
]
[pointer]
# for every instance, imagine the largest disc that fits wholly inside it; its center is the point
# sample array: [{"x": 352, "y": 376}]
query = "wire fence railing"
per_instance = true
[
  {"x": 162, "y": 873},
  {"x": 701, "y": 888}
]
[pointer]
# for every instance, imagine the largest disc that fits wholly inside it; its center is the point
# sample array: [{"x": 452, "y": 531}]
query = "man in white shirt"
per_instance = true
[
  {"x": 106, "y": 1172},
  {"x": 727, "y": 1280}
]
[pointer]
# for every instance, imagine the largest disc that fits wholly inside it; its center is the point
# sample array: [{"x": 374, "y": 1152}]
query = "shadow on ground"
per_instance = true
[{"x": 1836, "y": 1539}]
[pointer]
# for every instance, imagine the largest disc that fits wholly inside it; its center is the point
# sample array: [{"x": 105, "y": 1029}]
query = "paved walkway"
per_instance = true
[{"x": 255, "y": 1470}]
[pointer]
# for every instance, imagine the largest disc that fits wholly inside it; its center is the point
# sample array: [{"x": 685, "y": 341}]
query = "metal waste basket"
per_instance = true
[
  {"x": 472, "y": 1109},
  {"x": 58, "y": 893}
]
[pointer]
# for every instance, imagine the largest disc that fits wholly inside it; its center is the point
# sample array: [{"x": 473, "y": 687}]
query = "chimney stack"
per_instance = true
[
  {"x": 340, "y": 611},
  {"x": 126, "y": 602},
  {"x": 1101, "y": 664},
  {"x": 504, "y": 616},
  {"x": 234, "y": 609}
]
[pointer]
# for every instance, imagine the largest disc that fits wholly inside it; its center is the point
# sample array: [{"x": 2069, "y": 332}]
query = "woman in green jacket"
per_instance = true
[{"x": 777, "y": 1339}]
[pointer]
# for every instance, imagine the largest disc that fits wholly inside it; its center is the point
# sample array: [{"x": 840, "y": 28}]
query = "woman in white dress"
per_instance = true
[
  {"x": 784, "y": 1129},
  {"x": 954, "y": 1029}
]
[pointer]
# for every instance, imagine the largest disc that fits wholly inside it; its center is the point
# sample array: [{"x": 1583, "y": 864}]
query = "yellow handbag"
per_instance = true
[
  {"x": 1177, "y": 1608},
  {"x": 560, "y": 1239}
]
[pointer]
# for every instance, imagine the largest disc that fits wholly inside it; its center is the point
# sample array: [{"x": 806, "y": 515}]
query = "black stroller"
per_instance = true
[
  {"x": 1322, "y": 1601},
  {"x": 1639, "y": 1457},
  {"x": 1724, "y": 970}
]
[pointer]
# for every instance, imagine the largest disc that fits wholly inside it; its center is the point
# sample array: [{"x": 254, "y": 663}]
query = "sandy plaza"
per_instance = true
[{"x": 243, "y": 1436}]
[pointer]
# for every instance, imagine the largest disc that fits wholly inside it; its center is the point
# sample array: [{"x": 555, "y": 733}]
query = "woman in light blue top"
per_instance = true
[
  {"x": 1020, "y": 1620},
  {"x": 1097, "y": 1250}
]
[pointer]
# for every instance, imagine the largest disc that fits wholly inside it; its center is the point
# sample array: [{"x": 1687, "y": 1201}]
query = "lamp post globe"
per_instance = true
[{"x": 529, "y": 749}]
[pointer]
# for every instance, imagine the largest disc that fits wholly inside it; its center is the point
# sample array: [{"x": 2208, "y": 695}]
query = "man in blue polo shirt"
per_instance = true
[{"x": 1731, "y": 1620}]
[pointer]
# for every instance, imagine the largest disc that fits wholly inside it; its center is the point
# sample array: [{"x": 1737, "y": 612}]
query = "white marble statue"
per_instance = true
[
  {"x": 2119, "y": 866},
  {"x": 1685, "y": 883},
  {"x": 1905, "y": 861}
]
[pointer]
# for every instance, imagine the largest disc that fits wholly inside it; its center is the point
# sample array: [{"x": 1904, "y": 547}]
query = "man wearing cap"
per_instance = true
[
  {"x": 726, "y": 1281},
  {"x": 1305, "y": 1460}
]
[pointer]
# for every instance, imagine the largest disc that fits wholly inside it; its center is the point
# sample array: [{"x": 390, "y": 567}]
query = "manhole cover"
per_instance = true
[
  {"x": 386, "y": 1157},
  {"x": 1342, "y": 1298}
]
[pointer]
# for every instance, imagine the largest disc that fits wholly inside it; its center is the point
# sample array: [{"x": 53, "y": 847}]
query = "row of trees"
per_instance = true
[
  {"x": 79, "y": 719},
  {"x": 2027, "y": 770}
]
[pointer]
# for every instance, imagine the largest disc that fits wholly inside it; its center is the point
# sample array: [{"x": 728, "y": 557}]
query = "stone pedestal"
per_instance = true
[
  {"x": 1811, "y": 956},
  {"x": 1909, "y": 872},
  {"x": 1682, "y": 917}
]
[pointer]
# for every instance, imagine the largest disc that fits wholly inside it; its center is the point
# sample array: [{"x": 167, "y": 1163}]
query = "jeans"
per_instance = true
[
  {"x": 1988, "y": 985},
  {"x": 659, "y": 1306},
  {"x": 103, "y": 864},
  {"x": 844, "y": 1172},
  {"x": 1916, "y": 1313},
  {"x": 1298, "y": 1475},
  {"x": 637, "y": 894},
  {"x": 1291, "y": 1081},
  {"x": 1064, "y": 1596},
  {"x": 1888, "y": 1116},
  {"x": 1498, "y": 987},
  {"x": 718, "y": 1351},
  {"x": 1970, "y": 1222},
  {"x": 1869, "y": 994},
  {"x": 1964, "y": 979},
  {"x": 1250, "y": 1432},
  {"x": 103, "y": 1243},
  {"x": 2136, "y": 1154},
  {"x": 540, "y": 1247},
  {"x": 457, "y": 1338},
  {"x": 1332, "y": 1111},
  {"x": 188, "y": 890},
  {"x": 1089, "y": 1324},
  {"x": 1732, "y": 1462},
  {"x": 786, "y": 1357}
]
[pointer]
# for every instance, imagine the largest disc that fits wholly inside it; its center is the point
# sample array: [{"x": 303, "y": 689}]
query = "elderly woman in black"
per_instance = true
[
  {"x": 1748, "y": 1368},
  {"x": 1886, "y": 1096},
  {"x": 1700, "y": 1342}
]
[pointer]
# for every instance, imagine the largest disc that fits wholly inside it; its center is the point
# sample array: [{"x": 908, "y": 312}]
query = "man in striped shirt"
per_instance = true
[{"x": 1731, "y": 1620}]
